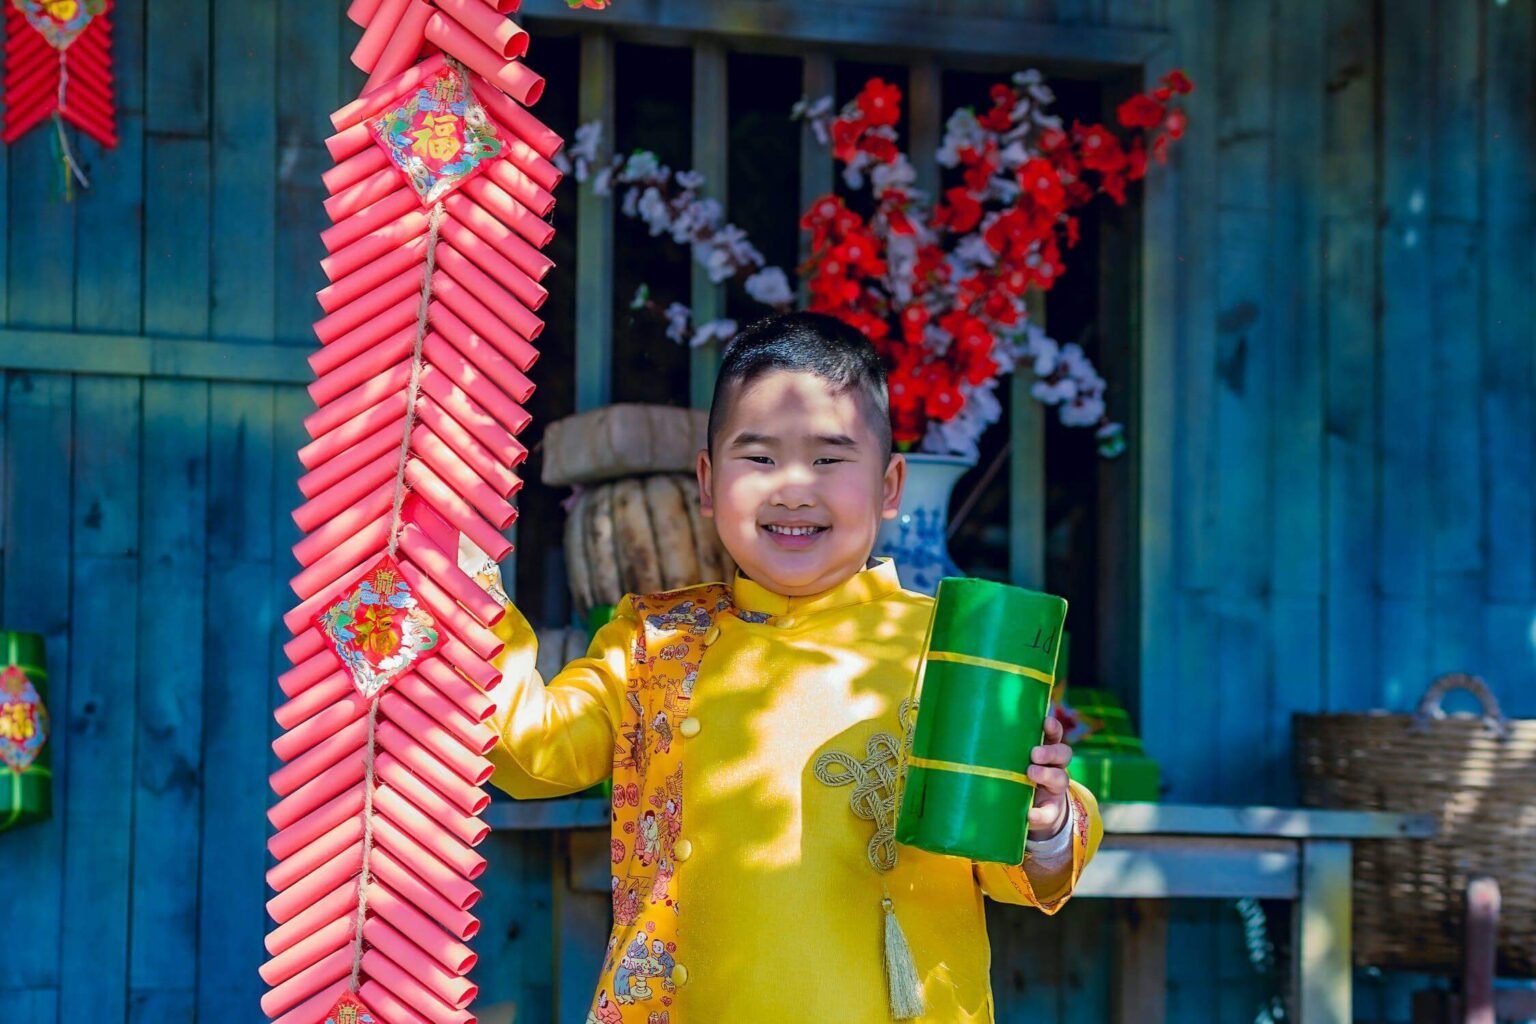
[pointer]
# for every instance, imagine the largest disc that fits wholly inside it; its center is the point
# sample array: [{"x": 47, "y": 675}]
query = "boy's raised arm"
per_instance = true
[
  {"x": 558, "y": 738},
  {"x": 1027, "y": 885}
]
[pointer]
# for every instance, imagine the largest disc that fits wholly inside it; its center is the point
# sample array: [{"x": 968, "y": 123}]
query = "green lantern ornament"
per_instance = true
[
  {"x": 984, "y": 691},
  {"x": 26, "y": 783}
]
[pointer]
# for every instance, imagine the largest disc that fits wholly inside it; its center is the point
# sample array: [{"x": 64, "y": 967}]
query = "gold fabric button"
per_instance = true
[
  {"x": 712, "y": 635},
  {"x": 679, "y": 975},
  {"x": 682, "y": 850},
  {"x": 689, "y": 727}
]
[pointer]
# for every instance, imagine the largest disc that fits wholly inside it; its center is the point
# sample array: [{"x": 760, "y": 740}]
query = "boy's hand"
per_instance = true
[{"x": 1048, "y": 769}]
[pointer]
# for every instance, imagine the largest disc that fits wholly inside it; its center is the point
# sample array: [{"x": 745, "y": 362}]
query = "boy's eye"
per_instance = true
[
  {"x": 761, "y": 460},
  {"x": 827, "y": 459}
]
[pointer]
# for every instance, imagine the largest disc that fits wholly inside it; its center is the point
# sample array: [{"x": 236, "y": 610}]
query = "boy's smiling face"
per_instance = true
[{"x": 798, "y": 483}]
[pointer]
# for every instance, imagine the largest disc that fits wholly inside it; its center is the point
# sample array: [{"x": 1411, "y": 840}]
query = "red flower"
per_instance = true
[
  {"x": 959, "y": 212},
  {"x": 1099, "y": 149},
  {"x": 1052, "y": 139},
  {"x": 845, "y": 139},
  {"x": 1136, "y": 160},
  {"x": 880, "y": 102},
  {"x": 1039, "y": 179},
  {"x": 1140, "y": 111},
  {"x": 879, "y": 147},
  {"x": 979, "y": 174},
  {"x": 942, "y": 399},
  {"x": 913, "y": 320},
  {"x": 1176, "y": 123},
  {"x": 999, "y": 119},
  {"x": 980, "y": 370},
  {"x": 1179, "y": 82},
  {"x": 860, "y": 251}
]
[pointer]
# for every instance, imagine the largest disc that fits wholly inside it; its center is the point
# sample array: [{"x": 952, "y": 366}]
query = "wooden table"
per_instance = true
[{"x": 1153, "y": 853}]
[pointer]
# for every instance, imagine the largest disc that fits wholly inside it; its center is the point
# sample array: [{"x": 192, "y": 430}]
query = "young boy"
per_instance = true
[{"x": 754, "y": 730}]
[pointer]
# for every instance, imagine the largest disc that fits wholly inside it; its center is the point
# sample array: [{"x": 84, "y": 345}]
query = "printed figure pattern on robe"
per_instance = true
[{"x": 438, "y": 198}]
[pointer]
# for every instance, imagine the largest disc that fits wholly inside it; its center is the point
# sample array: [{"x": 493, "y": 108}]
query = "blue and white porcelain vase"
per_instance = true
[{"x": 917, "y": 538}]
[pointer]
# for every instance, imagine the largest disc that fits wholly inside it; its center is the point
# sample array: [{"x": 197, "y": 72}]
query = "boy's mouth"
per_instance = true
[{"x": 793, "y": 536}]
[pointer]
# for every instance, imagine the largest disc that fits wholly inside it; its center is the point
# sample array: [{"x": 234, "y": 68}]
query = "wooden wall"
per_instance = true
[{"x": 1334, "y": 455}]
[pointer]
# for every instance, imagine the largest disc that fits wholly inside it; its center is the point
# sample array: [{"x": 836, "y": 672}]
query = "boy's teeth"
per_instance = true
[{"x": 795, "y": 531}]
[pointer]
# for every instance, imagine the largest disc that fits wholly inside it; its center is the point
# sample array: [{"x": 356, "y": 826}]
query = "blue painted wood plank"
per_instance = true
[
  {"x": 1407, "y": 340},
  {"x": 1295, "y": 312},
  {"x": 29, "y": 1004},
  {"x": 1509, "y": 274},
  {"x": 1509, "y": 656},
  {"x": 1245, "y": 118},
  {"x": 1085, "y": 933},
  {"x": 97, "y": 793},
  {"x": 40, "y": 235},
  {"x": 1457, "y": 483},
  {"x": 1456, "y": 74},
  {"x": 35, "y": 598},
  {"x": 515, "y": 944},
  {"x": 310, "y": 52},
  {"x": 237, "y": 700},
  {"x": 1197, "y": 558},
  {"x": 1027, "y": 964},
  {"x": 177, "y": 67},
  {"x": 244, "y": 159},
  {"x": 1349, "y": 180},
  {"x": 167, "y": 766},
  {"x": 176, "y": 237},
  {"x": 109, "y": 265},
  {"x": 1297, "y": 650},
  {"x": 1242, "y": 403},
  {"x": 1351, "y": 452}
]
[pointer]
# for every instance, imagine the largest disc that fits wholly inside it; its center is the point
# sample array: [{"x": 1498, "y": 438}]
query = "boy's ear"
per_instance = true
[
  {"x": 706, "y": 480},
  {"x": 895, "y": 481}
]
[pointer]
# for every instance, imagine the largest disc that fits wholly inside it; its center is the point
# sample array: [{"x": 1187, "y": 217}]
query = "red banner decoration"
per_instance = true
[
  {"x": 437, "y": 200},
  {"x": 58, "y": 64}
]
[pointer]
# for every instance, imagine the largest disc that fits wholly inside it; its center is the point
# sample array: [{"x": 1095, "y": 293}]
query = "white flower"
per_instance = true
[
  {"x": 961, "y": 131},
  {"x": 678, "y": 316},
  {"x": 716, "y": 330},
  {"x": 770, "y": 286},
  {"x": 631, "y": 203},
  {"x": 1082, "y": 413},
  {"x": 642, "y": 165},
  {"x": 806, "y": 107},
  {"x": 898, "y": 174},
  {"x": 602, "y": 181},
  {"x": 654, "y": 210},
  {"x": 690, "y": 179}
]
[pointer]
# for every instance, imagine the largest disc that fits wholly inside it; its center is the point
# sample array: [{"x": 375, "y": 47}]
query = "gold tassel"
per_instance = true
[{"x": 900, "y": 972}]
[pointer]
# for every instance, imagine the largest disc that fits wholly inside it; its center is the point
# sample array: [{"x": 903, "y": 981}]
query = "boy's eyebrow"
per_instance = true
[{"x": 747, "y": 438}]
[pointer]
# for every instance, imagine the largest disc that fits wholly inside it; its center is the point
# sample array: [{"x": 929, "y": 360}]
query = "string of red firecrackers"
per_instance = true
[
  {"x": 438, "y": 196},
  {"x": 58, "y": 67},
  {"x": 948, "y": 336}
]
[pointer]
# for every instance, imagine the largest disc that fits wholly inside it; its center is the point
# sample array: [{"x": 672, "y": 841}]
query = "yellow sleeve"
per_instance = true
[
  {"x": 1010, "y": 883},
  {"x": 558, "y": 738}
]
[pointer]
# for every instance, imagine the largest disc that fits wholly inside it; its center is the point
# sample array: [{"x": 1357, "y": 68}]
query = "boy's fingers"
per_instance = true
[
  {"x": 1058, "y": 754},
  {"x": 1052, "y": 729},
  {"x": 1050, "y": 780}
]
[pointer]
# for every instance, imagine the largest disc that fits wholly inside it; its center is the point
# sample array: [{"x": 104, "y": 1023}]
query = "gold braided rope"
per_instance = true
[{"x": 875, "y": 784}]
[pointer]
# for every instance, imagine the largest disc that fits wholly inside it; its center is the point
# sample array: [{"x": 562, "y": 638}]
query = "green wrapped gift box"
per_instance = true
[
  {"x": 984, "y": 690},
  {"x": 1107, "y": 756},
  {"x": 26, "y": 782}
]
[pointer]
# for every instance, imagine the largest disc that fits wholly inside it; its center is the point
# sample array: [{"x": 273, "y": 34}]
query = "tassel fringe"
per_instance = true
[{"x": 900, "y": 972}]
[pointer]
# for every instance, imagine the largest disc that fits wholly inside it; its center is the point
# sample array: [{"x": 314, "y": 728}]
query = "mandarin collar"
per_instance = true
[{"x": 866, "y": 585}]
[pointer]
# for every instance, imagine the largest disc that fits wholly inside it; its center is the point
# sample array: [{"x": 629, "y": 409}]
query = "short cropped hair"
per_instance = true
[{"x": 804, "y": 343}]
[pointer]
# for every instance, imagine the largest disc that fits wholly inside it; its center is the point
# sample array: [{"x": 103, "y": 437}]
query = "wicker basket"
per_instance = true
[{"x": 1477, "y": 776}]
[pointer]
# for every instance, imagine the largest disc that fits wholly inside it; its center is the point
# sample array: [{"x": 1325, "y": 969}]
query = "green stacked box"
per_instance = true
[
  {"x": 1108, "y": 757},
  {"x": 26, "y": 780},
  {"x": 984, "y": 692}
]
